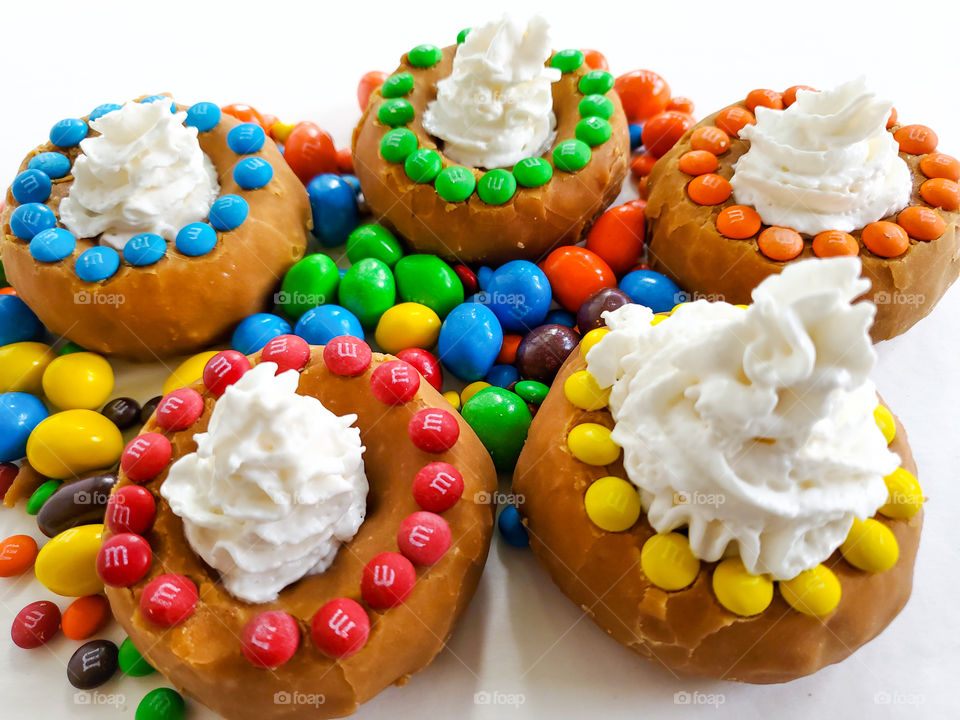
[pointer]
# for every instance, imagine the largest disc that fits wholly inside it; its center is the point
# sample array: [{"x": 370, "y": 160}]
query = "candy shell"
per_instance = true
[
  {"x": 73, "y": 442},
  {"x": 428, "y": 280},
  {"x": 17, "y": 321},
  {"x": 67, "y": 564},
  {"x": 469, "y": 341},
  {"x": 256, "y": 330},
  {"x": 334, "y": 207},
  {"x": 22, "y": 365},
  {"x": 20, "y": 414},
  {"x": 78, "y": 380},
  {"x": 653, "y": 289},
  {"x": 320, "y": 325},
  {"x": 501, "y": 419}
]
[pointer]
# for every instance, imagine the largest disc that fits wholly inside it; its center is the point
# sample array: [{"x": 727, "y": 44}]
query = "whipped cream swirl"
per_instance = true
[
  {"x": 145, "y": 172},
  {"x": 754, "y": 427},
  {"x": 827, "y": 162},
  {"x": 496, "y": 106},
  {"x": 275, "y": 486}
]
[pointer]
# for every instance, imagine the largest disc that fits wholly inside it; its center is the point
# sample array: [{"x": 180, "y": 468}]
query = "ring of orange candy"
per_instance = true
[
  {"x": 884, "y": 238},
  {"x": 613, "y": 504}
]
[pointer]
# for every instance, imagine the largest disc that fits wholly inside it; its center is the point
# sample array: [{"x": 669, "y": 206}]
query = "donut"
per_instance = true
[
  {"x": 156, "y": 298},
  {"x": 337, "y": 639},
  {"x": 683, "y": 623},
  {"x": 490, "y": 215},
  {"x": 716, "y": 248}
]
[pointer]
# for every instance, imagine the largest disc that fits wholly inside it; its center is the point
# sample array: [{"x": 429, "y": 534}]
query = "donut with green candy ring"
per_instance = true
[{"x": 490, "y": 215}]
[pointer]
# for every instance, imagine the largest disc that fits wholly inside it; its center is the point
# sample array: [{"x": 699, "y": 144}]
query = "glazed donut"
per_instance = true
[
  {"x": 651, "y": 591},
  {"x": 204, "y": 651},
  {"x": 168, "y": 299},
  {"x": 696, "y": 244},
  {"x": 443, "y": 211}
]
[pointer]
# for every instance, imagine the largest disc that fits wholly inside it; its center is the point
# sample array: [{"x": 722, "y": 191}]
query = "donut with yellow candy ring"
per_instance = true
[{"x": 648, "y": 590}]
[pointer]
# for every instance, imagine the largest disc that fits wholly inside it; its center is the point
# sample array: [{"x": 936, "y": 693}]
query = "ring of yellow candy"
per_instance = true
[{"x": 613, "y": 505}]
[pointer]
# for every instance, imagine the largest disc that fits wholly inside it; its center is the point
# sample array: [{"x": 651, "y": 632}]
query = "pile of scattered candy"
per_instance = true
[{"x": 504, "y": 332}]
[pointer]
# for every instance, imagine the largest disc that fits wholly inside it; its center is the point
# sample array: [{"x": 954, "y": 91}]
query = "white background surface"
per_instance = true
[{"x": 521, "y": 642}]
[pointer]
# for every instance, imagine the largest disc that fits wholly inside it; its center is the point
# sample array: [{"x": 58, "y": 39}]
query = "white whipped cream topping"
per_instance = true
[
  {"x": 496, "y": 106},
  {"x": 145, "y": 172},
  {"x": 275, "y": 486},
  {"x": 827, "y": 162},
  {"x": 754, "y": 427}
]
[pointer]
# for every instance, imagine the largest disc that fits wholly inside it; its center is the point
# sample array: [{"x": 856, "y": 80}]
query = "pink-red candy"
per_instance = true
[
  {"x": 433, "y": 430},
  {"x": 131, "y": 509},
  {"x": 347, "y": 355},
  {"x": 289, "y": 352},
  {"x": 168, "y": 600},
  {"x": 179, "y": 409},
  {"x": 37, "y": 624},
  {"x": 468, "y": 278},
  {"x": 123, "y": 560},
  {"x": 387, "y": 581},
  {"x": 145, "y": 456},
  {"x": 270, "y": 639},
  {"x": 437, "y": 487},
  {"x": 340, "y": 628},
  {"x": 223, "y": 370},
  {"x": 424, "y": 537},
  {"x": 426, "y": 364},
  {"x": 395, "y": 382}
]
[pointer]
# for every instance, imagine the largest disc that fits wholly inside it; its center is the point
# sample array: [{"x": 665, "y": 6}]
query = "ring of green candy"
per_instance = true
[{"x": 495, "y": 187}]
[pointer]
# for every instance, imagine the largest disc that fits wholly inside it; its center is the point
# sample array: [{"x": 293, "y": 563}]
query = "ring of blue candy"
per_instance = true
[{"x": 32, "y": 220}]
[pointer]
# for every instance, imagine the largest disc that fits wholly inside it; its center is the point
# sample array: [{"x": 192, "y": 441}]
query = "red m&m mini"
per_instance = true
[
  {"x": 424, "y": 537},
  {"x": 395, "y": 382},
  {"x": 289, "y": 352},
  {"x": 168, "y": 600},
  {"x": 433, "y": 430},
  {"x": 223, "y": 370},
  {"x": 35, "y": 625},
  {"x": 179, "y": 409},
  {"x": 347, "y": 355},
  {"x": 131, "y": 509},
  {"x": 270, "y": 639},
  {"x": 388, "y": 580},
  {"x": 340, "y": 628},
  {"x": 437, "y": 487},
  {"x": 123, "y": 560},
  {"x": 145, "y": 456}
]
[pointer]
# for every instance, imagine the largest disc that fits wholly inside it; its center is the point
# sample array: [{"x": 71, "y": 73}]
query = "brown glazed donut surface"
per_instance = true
[
  {"x": 688, "y": 631},
  {"x": 180, "y": 304},
  {"x": 685, "y": 245},
  {"x": 530, "y": 224},
  {"x": 202, "y": 656}
]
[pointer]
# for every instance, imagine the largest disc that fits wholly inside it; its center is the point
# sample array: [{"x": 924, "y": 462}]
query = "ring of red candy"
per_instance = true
[
  {"x": 341, "y": 626},
  {"x": 941, "y": 190}
]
